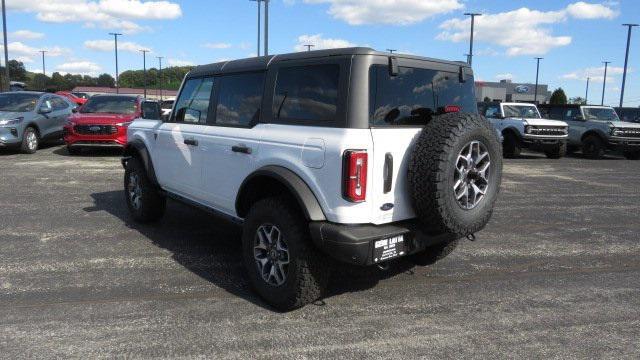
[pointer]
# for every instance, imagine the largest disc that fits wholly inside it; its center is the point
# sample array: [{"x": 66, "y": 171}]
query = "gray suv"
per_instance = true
[
  {"x": 595, "y": 129},
  {"x": 28, "y": 118}
]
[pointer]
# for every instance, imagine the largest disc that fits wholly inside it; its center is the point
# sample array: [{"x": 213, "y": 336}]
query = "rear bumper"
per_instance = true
[{"x": 355, "y": 244}]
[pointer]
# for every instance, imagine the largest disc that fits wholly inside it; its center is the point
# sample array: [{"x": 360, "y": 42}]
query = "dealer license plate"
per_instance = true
[{"x": 387, "y": 249}]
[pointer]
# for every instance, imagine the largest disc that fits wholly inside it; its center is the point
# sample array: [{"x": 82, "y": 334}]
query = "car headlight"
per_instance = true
[
  {"x": 124, "y": 124},
  {"x": 527, "y": 129},
  {"x": 10, "y": 122},
  {"x": 616, "y": 132}
]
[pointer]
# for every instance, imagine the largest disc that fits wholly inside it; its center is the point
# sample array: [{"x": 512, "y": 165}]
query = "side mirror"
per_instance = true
[
  {"x": 45, "y": 109},
  {"x": 191, "y": 116},
  {"x": 151, "y": 110}
]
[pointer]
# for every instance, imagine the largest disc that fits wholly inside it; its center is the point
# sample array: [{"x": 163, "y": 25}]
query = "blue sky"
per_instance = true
[{"x": 572, "y": 36}]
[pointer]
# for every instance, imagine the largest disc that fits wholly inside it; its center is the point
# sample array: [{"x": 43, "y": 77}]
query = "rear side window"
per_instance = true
[
  {"x": 193, "y": 103},
  {"x": 240, "y": 99},
  {"x": 415, "y": 95},
  {"x": 307, "y": 93},
  {"x": 59, "y": 104}
]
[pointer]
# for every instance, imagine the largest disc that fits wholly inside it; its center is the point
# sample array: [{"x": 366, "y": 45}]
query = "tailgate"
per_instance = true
[{"x": 391, "y": 154}]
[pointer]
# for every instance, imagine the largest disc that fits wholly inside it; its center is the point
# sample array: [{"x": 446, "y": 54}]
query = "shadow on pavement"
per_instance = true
[
  {"x": 91, "y": 152},
  {"x": 211, "y": 248}
]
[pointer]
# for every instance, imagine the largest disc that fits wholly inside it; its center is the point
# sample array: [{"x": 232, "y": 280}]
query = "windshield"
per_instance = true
[
  {"x": 110, "y": 105},
  {"x": 603, "y": 114},
  {"x": 521, "y": 111},
  {"x": 18, "y": 102}
]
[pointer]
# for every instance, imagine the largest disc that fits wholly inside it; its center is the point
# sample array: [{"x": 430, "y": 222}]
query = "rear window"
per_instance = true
[
  {"x": 307, "y": 93},
  {"x": 415, "y": 95}
]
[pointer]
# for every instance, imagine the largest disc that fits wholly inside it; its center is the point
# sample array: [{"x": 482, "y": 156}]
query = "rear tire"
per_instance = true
[
  {"x": 455, "y": 173},
  {"x": 30, "y": 141},
  {"x": 632, "y": 155},
  {"x": 144, "y": 200},
  {"x": 511, "y": 145},
  {"x": 593, "y": 147},
  {"x": 557, "y": 151},
  {"x": 434, "y": 253},
  {"x": 305, "y": 275}
]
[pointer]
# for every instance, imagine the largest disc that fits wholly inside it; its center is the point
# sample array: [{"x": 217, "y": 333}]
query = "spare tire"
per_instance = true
[{"x": 454, "y": 174}]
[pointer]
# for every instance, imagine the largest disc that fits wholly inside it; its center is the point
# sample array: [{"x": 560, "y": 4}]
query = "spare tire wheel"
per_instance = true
[{"x": 455, "y": 173}]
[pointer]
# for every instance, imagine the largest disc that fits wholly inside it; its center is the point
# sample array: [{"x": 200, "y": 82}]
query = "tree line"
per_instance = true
[{"x": 171, "y": 78}]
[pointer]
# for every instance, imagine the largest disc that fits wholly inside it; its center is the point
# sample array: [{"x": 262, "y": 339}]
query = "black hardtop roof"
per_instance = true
[
  {"x": 262, "y": 62},
  {"x": 570, "y": 105},
  {"x": 118, "y": 95}
]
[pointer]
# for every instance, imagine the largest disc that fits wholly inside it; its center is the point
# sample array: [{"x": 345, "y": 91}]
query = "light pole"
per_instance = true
[
  {"x": 7, "y": 80},
  {"x": 604, "y": 81},
  {"x": 308, "y": 46},
  {"x": 473, "y": 20},
  {"x": 115, "y": 37},
  {"x": 535, "y": 96},
  {"x": 44, "y": 71},
  {"x": 391, "y": 51},
  {"x": 626, "y": 60},
  {"x": 259, "y": 2},
  {"x": 160, "y": 75},
  {"x": 144, "y": 69},
  {"x": 266, "y": 27},
  {"x": 586, "y": 93}
]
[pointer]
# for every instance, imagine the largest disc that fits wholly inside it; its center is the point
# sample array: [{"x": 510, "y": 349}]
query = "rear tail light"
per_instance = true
[
  {"x": 451, "y": 109},
  {"x": 355, "y": 175}
]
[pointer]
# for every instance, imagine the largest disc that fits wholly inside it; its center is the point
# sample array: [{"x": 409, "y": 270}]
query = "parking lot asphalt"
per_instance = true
[{"x": 555, "y": 274}]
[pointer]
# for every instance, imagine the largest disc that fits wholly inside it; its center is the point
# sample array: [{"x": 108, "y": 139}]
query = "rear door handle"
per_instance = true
[
  {"x": 241, "y": 149},
  {"x": 192, "y": 142}
]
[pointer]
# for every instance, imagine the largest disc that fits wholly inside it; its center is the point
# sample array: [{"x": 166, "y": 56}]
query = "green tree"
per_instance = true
[
  {"x": 558, "y": 97},
  {"x": 486, "y": 99},
  {"x": 578, "y": 100},
  {"x": 106, "y": 80}
]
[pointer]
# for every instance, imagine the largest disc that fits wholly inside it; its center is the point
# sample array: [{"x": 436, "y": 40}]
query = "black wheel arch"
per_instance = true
[
  {"x": 600, "y": 134},
  {"x": 272, "y": 180},
  {"x": 512, "y": 131},
  {"x": 137, "y": 148}
]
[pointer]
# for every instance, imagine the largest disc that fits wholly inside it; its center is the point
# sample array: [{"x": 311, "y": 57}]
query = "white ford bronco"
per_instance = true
[{"x": 346, "y": 154}]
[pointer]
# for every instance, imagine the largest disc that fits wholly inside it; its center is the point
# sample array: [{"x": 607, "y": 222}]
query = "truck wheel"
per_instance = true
[
  {"x": 512, "y": 147},
  {"x": 143, "y": 199},
  {"x": 282, "y": 264},
  {"x": 455, "y": 173},
  {"x": 556, "y": 151},
  {"x": 593, "y": 147},
  {"x": 632, "y": 155},
  {"x": 30, "y": 141},
  {"x": 434, "y": 253}
]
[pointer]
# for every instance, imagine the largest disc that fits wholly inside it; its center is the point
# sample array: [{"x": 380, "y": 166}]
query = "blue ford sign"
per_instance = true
[{"x": 521, "y": 89}]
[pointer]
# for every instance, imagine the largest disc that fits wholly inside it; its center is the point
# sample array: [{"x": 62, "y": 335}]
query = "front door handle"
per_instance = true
[
  {"x": 192, "y": 142},
  {"x": 241, "y": 149}
]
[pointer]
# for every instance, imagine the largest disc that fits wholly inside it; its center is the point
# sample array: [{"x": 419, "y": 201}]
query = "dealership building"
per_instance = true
[{"x": 507, "y": 91}]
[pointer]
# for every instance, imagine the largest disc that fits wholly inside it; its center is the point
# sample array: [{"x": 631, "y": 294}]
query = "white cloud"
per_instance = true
[
  {"x": 523, "y": 31},
  {"x": 79, "y": 67},
  {"x": 25, "y": 53},
  {"x": 506, "y": 76},
  {"x": 178, "y": 62},
  {"x": 109, "y": 45},
  {"x": 25, "y": 35},
  {"x": 217, "y": 45},
  {"x": 594, "y": 73},
  {"x": 108, "y": 14},
  {"x": 393, "y": 12},
  {"x": 320, "y": 43},
  {"x": 583, "y": 10},
  {"x": 24, "y": 59}
]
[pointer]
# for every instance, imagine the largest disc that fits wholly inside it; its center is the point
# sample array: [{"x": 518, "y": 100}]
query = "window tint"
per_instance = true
[
  {"x": 193, "y": 103},
  {"x": 571, "y": 114},
  {"x": 415, "y": 95},
  {"x": 240, "y": 98},
  {"x": 492, "y": 111},
  {"x": 58, "y": 104},
  {"x": 307, "y": 93},
  {"x": 110, "y": 105},
  {"x": 556, "y": 113},
  {"x": 150, "y": 110}
]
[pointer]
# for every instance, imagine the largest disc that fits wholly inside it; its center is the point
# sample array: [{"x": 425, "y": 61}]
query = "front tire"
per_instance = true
[
  {"x": 557, "y": 151},
  {"x": 30, "y": 141},
  {"x": 632, "y": 155},
  {"x": 282, "y": 265},
  {"x": 144, "y": 200},
  {"x": 593, "y": 147},
  {"x": 511, "y": 146}
]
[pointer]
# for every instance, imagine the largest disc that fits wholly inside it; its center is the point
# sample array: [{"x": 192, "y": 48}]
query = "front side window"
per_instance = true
[
  {"x": 521, "y": 111},
  {"x": 308, "y": 93},
  {"x": 18, "y": 102},
  {"x": 571, "y": 114},
  {"x": 493, "y": 111},
  {"x": 415, "y": 95},
  {"x": 193, "y": 103},
  {"x": 105, "y": 104},
  {"x": 240, "y": 99},
  {"x": 600, "y": 113},
  {"x": 59, "y": 104}
]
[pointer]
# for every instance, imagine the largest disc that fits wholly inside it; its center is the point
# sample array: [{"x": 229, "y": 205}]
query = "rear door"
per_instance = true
[
  {"x": 179, "y": 169},
  {"x": 399, "y": 108}
]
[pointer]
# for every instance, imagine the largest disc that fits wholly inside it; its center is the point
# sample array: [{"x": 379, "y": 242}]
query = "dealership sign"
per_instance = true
[{"x": 521, "y": 89}]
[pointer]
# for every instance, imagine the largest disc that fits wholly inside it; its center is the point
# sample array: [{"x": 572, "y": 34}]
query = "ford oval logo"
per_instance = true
[
  {"x": 94, "y": 128},
  {"x": 521, "y": 89}
]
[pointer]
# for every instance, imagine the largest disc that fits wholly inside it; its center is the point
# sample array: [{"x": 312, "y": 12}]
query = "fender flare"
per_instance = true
[
  {"x": 513, "y": 130},
  {"x": 138, "y": 148},
  {"x": 298, "y": 188},
  {"x": 597, "y": 132}
]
